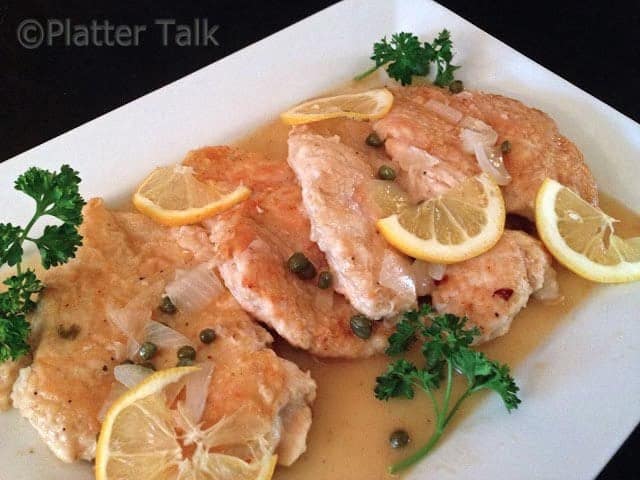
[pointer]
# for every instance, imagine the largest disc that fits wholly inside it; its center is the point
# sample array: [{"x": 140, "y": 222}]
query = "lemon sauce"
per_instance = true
[{"x": 349, "y": 437}]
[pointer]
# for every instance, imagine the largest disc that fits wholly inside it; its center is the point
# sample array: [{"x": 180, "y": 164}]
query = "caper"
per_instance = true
[
  {"x": 147, "y": 350},
  {"x": 307, "y": 272},
  {"x": 399, "y": 439},
  {"x": 456, "y": 86},
  {"x": 208, "y": 335},
  {"x": 187, "y": 351},
  {"x": 167, "y": 306},
  {"x": 185, "y": 362},
  {"x": 385, "y": 172},
  {"x": 148, "y": 365},
  {"x": 68, "y": 333},
  {"x": 297, "y": 262},
  {"x": 505, "y": 147},
  {"x": 361, "y": 326},
  {"x": 324, "y": 280},
  {"x": 374, "y": 140}
]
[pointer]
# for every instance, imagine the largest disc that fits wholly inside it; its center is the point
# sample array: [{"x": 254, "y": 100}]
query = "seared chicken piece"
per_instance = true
[
  {"x": 428, "y": 149},
  {"x": 124, "y": 264},
  {"x": 253, "y": 242},
  {"x": 492, "y": 288},
  {"x": 373, "y": 276}
]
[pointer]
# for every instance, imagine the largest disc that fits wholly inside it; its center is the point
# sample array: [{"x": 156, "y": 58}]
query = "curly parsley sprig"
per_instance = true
[
  {"x": 405, "y": 57},
  {"x": 56, "y": 194},
  {"x": 445, "y": 349}
]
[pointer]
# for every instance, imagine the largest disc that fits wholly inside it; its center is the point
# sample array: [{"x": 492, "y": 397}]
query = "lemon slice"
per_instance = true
[
  {"x": 174, "y": 196},
  {"x": 369, "y": 105},
  {"x": 582, "y": 237},
  {"x": 463, "y": 223},
  {"x": 143, "y": 439}
]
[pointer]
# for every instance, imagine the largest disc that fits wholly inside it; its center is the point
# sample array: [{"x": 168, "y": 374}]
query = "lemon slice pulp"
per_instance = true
[
  {"x": 174, "y": 196},
  {"x": 143, "y": 439},
  {"x": 582, "y": 237},
  {"x": 369, "y": 105},
  {"x": 463, "y": 223}
]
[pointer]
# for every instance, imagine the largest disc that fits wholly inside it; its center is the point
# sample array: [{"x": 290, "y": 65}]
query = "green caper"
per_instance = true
[
  {"x": 186, "y": 351},
  {"x": 307, "y": 272},
  {"x": 185, "y": 362},
  {"x": 297, "y": 262},
  {"x": 148, "y": 365},
  {"x": 385, "y": 172},
  {"x": 208, "y": 335},
  {"x": 324, "y": 280},
  {"x": 374, "y": 140},
  {"x": 147, "y": 350},
  {"x": 361, "y": 326},
  {"x": 399, "y": 439},
  {"x": 68, "y": 333},
  {"x": 167, "y": 306},
  {"x": 505, "y": 147},
  {"x": 456, "y": 86}
]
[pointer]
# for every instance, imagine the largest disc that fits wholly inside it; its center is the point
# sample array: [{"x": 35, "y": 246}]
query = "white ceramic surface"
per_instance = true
[{"x": 571, "y": 423}]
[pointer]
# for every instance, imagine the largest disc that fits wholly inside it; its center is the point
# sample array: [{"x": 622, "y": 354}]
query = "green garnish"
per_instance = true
[
  {"x": 446, "y": 349},
  {"x": 405, "y": 56},
  {"x": 56, "y": 194}
]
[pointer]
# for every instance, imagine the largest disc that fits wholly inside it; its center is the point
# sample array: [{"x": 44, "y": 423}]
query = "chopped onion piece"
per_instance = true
[
  {"x": 443, "y": 110},
  {"x": 131, "y": 375},
  {"x": 130, "y": 319},
  {"x": 436, "y": 270},
  {"x": 163, "y": 336},
  {"x": 475, "y": 131},
  {"x": 396, "y": 275},
  {"x": 492, "y": 164},
  {"x": 194, "y": 289},
  {"x": 197, "y": 390},
  {"x": 117, "y": 389},
  {"x": 421, "y": 277}
]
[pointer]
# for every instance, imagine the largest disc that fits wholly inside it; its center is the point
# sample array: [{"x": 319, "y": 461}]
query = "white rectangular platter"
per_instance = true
[{"x": 573, "y": 417}]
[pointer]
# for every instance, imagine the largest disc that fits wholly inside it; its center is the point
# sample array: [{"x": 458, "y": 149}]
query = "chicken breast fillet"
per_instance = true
[
  {"x": 428, "y": 149},
  {"x": 253, "y": 242},
  {"x": 492, "y": 288},
  {"x": 334, "y": 177},
  {"x": 119, "y": 275}
]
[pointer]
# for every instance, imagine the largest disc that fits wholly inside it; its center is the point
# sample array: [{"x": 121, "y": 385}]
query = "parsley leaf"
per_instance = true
[
  {"x": 57, "y": 244},
  {"x": 446, "y": 349},
  {"x": 405, "y": 57},
  {"x": 10, "y": 245},
  {"x": 56, "y": 194},
  {"x": 397, "y": 381}
]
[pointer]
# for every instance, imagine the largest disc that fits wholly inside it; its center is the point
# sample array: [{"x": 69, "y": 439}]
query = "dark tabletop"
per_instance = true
[{"x": 46, "y": 91}]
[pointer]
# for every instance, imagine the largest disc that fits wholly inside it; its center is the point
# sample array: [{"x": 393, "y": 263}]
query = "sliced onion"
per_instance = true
[
  {"x": 475, "y": 131},
  {"x": 163, "y": 336},
  {"x": 130, "y": 319},
  {"x": 131, "y": 375},
  {"x": 197, "y": 391},
  {"x": 421, "y": 278},
  {"x": 409, "y": 157},
  {"x": 436, "y": 270},
  {"x": 117, "y": 389},
  {"x": 396, "y": 275},
  {"x": 492, "y": 163},
  {"x": 194, "y": 289},
  {"x": 443, "y": 110}
]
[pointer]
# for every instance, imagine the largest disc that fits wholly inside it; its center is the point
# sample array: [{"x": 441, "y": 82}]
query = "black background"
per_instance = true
[{"x": 47, "y": 91}]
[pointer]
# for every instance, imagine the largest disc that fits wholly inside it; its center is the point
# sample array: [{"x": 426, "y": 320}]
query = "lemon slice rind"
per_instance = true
[
  {"x": 431, "y": 250},
  {"x": 546, "y": 224},
  {"x": 337, "y": 106}
]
